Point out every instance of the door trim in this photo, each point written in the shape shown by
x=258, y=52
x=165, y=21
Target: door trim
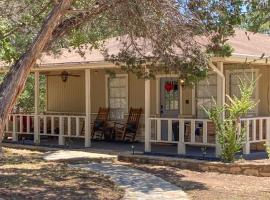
x=158, y=92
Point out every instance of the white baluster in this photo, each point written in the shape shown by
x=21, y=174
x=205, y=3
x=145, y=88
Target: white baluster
x=77, y=126
x=260, y=129
x=69, y=126
x=268, y=131
x=246, y=149
x=254, y=130
x=170, y=130
x=44, y=124
x=28, y=123
x=205, y=132
x=61, y=139
x=14, y=129
x=181, y=147
x=52, y=125
x=21, y=124
x=192, y=130
x=158, y=129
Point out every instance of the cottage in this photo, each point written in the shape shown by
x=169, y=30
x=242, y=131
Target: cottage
x=76, y=87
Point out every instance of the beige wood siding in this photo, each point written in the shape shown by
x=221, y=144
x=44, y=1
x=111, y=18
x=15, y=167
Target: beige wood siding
x=263, y=86
x=136, y=91
x=98, y=92
x=186, y=101
x=66, y=96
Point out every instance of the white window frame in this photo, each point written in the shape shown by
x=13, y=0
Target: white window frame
x=195, y=95
x=107, y=89
x=231, y=71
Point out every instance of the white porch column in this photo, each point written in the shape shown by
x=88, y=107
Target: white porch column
x=36, y=117
x=268, y=132
x=87, y=108
x=220, y=96
x=147, y=102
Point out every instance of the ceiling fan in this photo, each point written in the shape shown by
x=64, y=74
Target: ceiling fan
x=64, y=75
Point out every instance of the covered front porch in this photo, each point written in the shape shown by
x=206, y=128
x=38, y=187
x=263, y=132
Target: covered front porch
x=172, y=121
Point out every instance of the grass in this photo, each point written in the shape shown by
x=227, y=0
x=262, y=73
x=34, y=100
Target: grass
x=25, y=175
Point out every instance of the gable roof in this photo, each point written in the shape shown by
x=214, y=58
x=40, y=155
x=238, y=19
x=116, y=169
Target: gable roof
x=244, y=46
x=253, y=45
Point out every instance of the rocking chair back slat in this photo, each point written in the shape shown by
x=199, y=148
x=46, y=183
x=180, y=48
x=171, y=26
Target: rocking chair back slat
x=103, y=114
x=131, y=126
x=134, y=116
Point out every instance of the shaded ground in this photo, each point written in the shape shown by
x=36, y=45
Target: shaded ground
x=205, y=185
x=24, y=175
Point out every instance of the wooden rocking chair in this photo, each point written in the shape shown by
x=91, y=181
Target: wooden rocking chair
x=128, y=130
x=100, y=124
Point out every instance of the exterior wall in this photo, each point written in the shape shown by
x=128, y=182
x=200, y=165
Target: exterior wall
x=263, y=85
x=66, y=96
x=186, y=101
x=70, y=96
x=98, y=93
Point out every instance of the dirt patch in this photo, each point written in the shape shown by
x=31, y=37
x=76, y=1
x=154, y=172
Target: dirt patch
x=25, y=175
x=210, y=185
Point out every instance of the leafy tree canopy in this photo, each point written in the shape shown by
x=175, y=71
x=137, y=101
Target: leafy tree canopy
x=169, y=27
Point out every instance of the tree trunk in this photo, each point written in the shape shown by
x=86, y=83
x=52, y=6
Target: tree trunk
x=15, y=79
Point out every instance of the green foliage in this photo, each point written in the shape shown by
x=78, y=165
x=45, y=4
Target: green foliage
x=229, y=132
x=161, y=33
x=268, y=150
x=26, y=100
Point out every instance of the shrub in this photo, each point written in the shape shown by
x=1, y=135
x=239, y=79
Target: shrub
x=230, y=136
x=268, y=150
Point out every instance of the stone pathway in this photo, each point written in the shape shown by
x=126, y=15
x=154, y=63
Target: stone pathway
x=138, y=185
x=78, y=155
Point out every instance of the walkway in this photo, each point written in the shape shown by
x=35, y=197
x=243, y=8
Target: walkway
x=138, y=185
x=78, y=155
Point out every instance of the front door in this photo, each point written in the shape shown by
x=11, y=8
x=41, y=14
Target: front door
x=169, y=102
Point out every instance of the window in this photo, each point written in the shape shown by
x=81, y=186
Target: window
x=117, y=97
x=234, y=78
x=171, y=97
x=206, y=90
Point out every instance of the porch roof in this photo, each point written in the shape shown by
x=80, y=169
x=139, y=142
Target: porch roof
x=252, y=46
x=246, y=45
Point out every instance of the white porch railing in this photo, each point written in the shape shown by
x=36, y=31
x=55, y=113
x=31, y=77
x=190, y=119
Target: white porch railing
x=202, y=131
x=188, y=131
x=163, y=130
x=60, y=126
x=257, y=130
x=19, y=124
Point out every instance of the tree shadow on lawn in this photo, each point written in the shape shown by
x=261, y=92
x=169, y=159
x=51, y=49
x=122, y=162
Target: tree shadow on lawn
x=171, y=175
x=55, y=182
x=30, y=177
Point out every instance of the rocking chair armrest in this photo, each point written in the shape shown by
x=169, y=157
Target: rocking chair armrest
x=119, y=123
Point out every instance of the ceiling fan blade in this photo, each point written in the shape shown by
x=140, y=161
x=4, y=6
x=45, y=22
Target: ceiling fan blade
x=53, y=75
x=76, y=75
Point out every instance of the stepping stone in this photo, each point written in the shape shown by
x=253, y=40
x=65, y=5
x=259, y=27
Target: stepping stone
x=138, y=184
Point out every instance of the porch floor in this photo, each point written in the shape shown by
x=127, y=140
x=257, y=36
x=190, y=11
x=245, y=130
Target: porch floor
x=120, y=147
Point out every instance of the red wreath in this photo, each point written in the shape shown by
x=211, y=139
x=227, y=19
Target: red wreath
x=169, y=86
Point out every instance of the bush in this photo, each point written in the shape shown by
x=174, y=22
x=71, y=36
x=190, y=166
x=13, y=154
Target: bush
x=229, y=136
x=268, y=150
